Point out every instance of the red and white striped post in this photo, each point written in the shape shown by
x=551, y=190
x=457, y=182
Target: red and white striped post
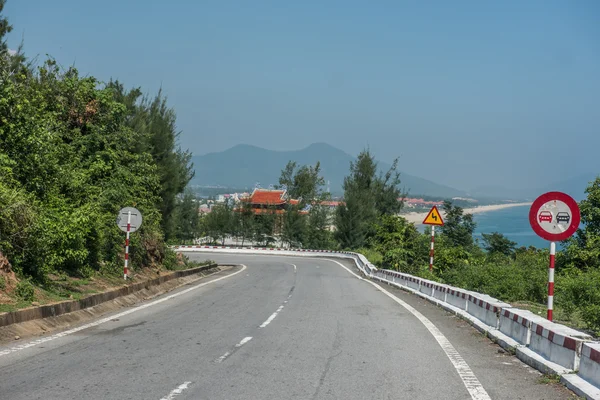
x=127, y=245
x=551, y=280
x=431, y=249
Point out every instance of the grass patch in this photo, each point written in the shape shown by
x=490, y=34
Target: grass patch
x=14, y=307
x=549, y=379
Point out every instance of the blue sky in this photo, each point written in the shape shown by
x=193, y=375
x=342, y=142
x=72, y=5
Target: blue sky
x=467, y=93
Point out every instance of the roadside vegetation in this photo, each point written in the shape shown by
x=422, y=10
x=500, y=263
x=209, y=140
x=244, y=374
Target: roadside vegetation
x=73, y=151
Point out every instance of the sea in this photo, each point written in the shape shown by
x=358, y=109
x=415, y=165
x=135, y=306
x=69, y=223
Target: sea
x=512, y=222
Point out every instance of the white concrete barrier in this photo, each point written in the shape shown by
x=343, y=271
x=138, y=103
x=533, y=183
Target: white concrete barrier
x=413, y=282
x=427, y=287
x=485, y=308
x=557, y=343
x=457, y=297
x=516, y=324
x=440, y=292
x=589, y=367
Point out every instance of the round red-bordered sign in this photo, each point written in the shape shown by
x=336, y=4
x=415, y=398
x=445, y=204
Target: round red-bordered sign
x=554, y=216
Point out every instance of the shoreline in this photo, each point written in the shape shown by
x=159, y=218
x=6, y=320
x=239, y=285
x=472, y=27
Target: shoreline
x=418, y=217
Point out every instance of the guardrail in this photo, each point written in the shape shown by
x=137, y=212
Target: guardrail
x=544, y=345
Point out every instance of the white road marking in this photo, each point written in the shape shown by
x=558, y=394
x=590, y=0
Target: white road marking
x=244, y=341
x=223, y=357
x=112, y=317
x=237, y=346
x=474, y=387
x=271, y=318
x=177, y=391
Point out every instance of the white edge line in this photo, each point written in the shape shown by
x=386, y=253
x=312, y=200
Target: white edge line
x=474, y=387
x=115, y=316
x=177, y=391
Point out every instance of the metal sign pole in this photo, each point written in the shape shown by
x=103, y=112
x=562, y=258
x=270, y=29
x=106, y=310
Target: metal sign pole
x=551, y=280
x=127, y=245
x=431, y=249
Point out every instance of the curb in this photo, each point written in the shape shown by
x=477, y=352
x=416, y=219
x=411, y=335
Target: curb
x=580, y=386
x=64, y=307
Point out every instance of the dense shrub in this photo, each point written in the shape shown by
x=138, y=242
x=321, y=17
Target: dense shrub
x=579, y=292
x=24, y=290
x=73, y=151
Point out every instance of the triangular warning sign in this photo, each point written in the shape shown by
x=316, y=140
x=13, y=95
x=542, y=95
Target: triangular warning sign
x=433, y=218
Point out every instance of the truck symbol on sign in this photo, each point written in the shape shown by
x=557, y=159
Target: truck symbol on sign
x=545, y=216
x=563, y=217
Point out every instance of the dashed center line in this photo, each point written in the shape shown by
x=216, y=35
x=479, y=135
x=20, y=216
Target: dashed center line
x=244, y=341
x=237, y=346
x=271, y=318
x=177, y=391
x=223, y=357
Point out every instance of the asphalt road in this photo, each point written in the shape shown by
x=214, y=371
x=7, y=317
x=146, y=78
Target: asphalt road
x=280, y=328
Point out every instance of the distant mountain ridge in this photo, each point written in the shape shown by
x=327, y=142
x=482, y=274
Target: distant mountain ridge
x=242, y=166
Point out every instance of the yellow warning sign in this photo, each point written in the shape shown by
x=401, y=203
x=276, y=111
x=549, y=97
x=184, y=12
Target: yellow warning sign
x=433, y=218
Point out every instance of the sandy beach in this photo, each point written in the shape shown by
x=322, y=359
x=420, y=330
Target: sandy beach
x=418, y=217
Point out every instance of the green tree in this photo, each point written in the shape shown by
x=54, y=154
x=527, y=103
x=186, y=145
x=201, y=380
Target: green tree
x=187, y=218
x=398, y=241
x=582, y=251
x=366, y=197
x=156, y=122
x=264, y=226
x=318, y=235
x=458, y=227
x=246, y=223
x=304, y=183
x=293, y=227
x=217, y=222
x=388, y=196
x=72, y=153
x=357, y=214
x=498, y=243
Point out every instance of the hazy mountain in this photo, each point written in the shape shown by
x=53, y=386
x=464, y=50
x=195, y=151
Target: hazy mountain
x=243, y=165
x=574, y=187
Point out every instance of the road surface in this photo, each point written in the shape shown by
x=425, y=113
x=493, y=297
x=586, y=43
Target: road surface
x=278, y=328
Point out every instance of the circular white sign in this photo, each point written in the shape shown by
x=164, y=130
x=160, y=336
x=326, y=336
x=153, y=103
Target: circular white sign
x=133, y=215
x=554, y=216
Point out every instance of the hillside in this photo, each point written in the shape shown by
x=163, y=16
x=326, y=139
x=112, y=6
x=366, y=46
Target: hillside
x=242, y=166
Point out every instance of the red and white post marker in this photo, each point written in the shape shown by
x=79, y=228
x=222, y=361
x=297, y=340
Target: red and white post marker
x=434, y=218
x=431, y=249
x=127, y=245
x=551, y=280
x=134, y=221
x=554, y=216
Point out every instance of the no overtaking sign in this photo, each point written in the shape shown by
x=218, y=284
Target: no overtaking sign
x=554, y=216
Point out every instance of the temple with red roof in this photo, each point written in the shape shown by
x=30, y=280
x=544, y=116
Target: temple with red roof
x=273, y=201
